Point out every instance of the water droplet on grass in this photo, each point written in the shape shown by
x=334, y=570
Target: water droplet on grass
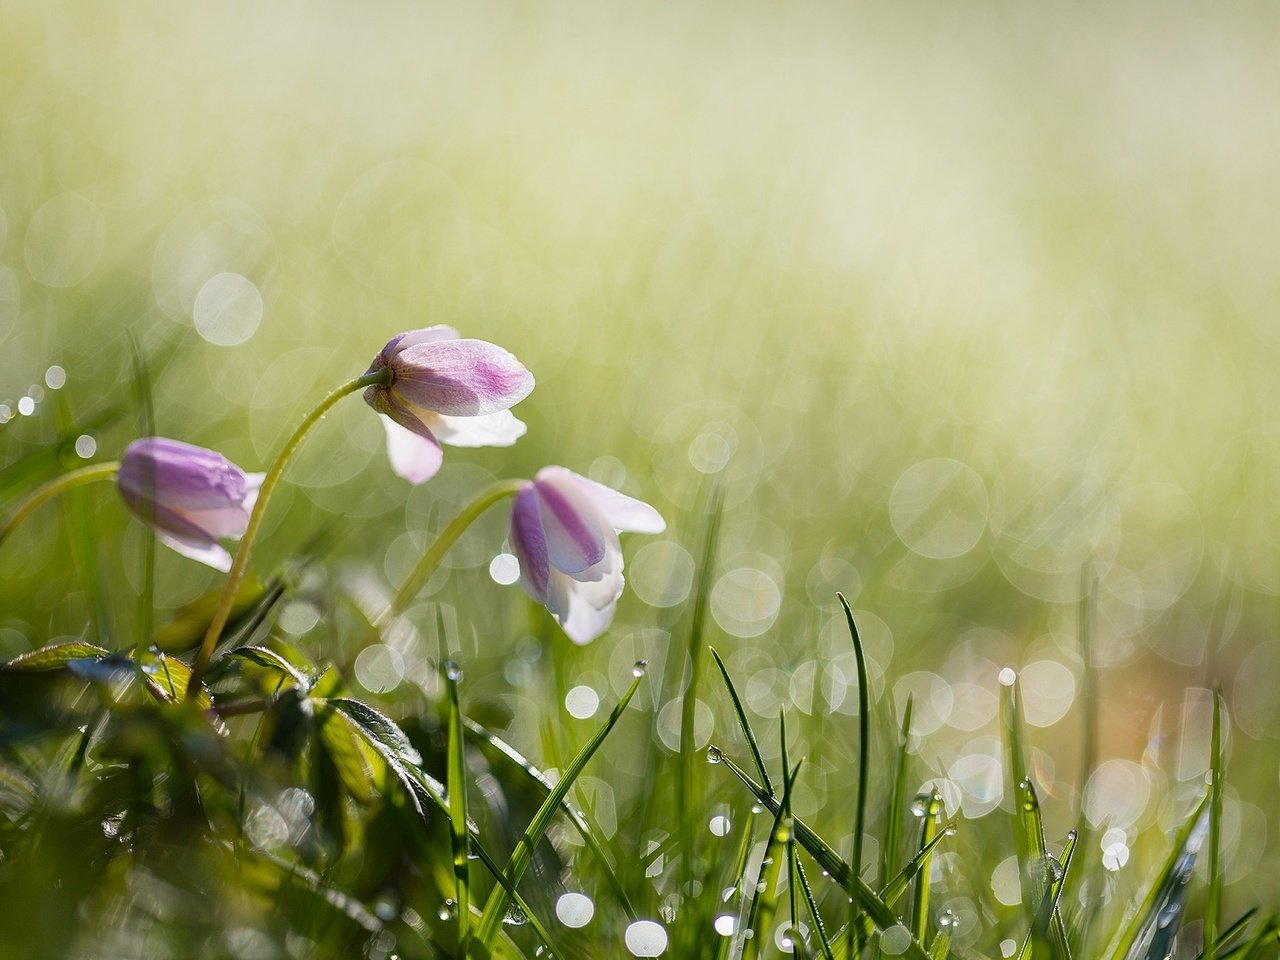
x=640, y=669
x=714, y=755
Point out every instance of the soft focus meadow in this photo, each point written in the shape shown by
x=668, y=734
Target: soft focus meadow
x=967, y=312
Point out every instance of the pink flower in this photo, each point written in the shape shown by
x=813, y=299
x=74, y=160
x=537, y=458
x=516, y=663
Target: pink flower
x=445, y=390
x=564, y=531
x=189, y=495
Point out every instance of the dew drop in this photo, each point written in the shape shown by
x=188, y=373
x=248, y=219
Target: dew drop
x=640, y=669
x=452, y=670
x=714, y=754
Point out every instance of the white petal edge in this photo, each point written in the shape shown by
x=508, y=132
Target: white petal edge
x=413, y=457
x=501, y=429
x=625, y=514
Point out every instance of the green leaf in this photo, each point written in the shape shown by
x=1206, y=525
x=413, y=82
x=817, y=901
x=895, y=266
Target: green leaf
x=268, y=658
x=898, y=885
x=339, y=734
x=167, y=677
x=55, y=656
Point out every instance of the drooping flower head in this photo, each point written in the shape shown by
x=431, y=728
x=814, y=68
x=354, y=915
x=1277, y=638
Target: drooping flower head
x=444, y=389
x=564, y=531
x=189, y=495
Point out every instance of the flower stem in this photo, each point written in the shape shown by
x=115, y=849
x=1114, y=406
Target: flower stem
x=225, y=602
x=421, y=573
x=76, y=478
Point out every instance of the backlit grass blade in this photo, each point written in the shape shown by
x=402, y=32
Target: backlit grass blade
x=1268, y=933
x=1233, y=932
x=1138, y=930
x=744, y=723
x=740, y=875
x=146, y=428
x=1217, y=771
x=1035, y=867
x=456, y=785
x=897, y=811
x=876, y=913
x=898, y=885
x=499, y=747
x=763, y=898
x=864, y=737
x=919, y=919
x=819, y=928
x=496, y=906
x=940, y=949
x=686, y=768
x=1039, y=938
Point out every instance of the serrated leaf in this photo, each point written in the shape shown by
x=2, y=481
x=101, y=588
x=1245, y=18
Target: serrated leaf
x=55, y=656
x=270, y=660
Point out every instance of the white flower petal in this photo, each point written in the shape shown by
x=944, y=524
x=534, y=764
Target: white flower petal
x=500, y=429
x=622, y=512
x=211, y=554
x=413, y=456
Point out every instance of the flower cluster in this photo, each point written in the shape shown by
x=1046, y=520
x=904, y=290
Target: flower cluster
x=431, y=387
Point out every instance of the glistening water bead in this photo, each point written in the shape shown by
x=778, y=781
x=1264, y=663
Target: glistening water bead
x=640, y=669
x=714, y=754
x=452, y=670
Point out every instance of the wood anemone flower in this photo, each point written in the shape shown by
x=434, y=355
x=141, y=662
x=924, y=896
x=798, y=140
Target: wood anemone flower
x=445, y=389
x=564, y=531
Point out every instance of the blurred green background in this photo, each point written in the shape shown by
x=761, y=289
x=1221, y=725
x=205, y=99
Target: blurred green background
x=966, y=306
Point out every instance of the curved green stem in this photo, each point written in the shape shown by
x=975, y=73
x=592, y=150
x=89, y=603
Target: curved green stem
x=238, y=566
x=440, y=546
x=76, y=478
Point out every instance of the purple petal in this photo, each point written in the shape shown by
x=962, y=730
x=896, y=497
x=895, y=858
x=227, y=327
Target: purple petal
x=413, y=456
x=180, y=476
x=459, y=378
x=407, y=339
x=179, y=531
x=622, y=512
x=225, y=522
x=500, y=429
x=575, y=530
x=529, y=542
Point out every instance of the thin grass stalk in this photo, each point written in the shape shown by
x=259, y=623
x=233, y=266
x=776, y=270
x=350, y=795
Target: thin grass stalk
x=685, y=770
x=495, y=907
x=456, y=784
x=864, y=747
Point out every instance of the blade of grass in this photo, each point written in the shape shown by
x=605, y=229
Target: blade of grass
x=740, y=875
x=744, y=723
x=1213, y=900
x=585, y=830
x=895, y=814
x=1038, y=938
x=1268, y=930
x=898, y=885
x=1168, y=881
x=819, y=927
x=919, y=919
x=495, y=907
x=764, y=897
x=685, y=769
x=875, y=913
x=78, y=520
x=1231, y=933
x=146, y=428
x=864, y=744
x=456, y=785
